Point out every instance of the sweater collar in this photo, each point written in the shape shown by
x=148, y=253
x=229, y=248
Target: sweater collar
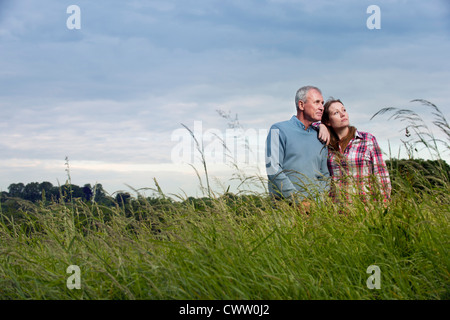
x=300, y=124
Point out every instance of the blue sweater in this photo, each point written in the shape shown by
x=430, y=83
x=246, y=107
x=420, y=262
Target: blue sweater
x=299, y=168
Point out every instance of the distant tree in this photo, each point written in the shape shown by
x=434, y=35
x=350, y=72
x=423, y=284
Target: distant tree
x=123, y=198
x=46, y=189
x=3, y=196
x=100, y=196
x=420, y=174
x=77, y=191
x=99, y=193
x=16, y=190
x=87, y=191
x=32, y=192
x=200, y=204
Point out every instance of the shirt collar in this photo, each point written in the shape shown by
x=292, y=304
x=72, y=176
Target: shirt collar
x=300, y=124
x=358, y=135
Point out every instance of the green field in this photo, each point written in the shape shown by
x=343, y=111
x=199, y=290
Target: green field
x=230, y=247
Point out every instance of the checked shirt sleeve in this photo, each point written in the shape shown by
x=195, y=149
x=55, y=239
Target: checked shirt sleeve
x=316, y=125
x=380, y=169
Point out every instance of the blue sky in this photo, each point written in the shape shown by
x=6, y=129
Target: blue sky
x=112, y=95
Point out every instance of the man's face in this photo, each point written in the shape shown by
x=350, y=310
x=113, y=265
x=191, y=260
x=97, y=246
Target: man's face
x=313, y=106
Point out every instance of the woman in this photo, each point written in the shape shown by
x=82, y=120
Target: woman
x=355, y=161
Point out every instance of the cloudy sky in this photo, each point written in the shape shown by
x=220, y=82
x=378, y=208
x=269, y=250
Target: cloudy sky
x=113, y=96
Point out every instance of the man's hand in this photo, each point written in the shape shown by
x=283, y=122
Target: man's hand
x=324, y=134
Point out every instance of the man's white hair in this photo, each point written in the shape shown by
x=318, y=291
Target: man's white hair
x=302, y=92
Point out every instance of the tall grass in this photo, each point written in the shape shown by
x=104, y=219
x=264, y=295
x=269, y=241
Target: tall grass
x=231, y=247
x=417, y=130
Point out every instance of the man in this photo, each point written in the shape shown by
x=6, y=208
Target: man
x=296, y=160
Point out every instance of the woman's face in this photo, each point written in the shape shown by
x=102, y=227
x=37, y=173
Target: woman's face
x=338, y=116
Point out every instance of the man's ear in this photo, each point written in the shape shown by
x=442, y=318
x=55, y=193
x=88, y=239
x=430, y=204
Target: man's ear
x=300, y=105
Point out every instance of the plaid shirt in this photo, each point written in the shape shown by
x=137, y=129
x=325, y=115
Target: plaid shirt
x=360, y=171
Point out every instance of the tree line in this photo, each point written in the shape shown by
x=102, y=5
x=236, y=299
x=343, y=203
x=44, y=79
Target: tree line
x=46, y=191
x=419, y=173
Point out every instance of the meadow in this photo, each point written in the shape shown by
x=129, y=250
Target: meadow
x=233, y=246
